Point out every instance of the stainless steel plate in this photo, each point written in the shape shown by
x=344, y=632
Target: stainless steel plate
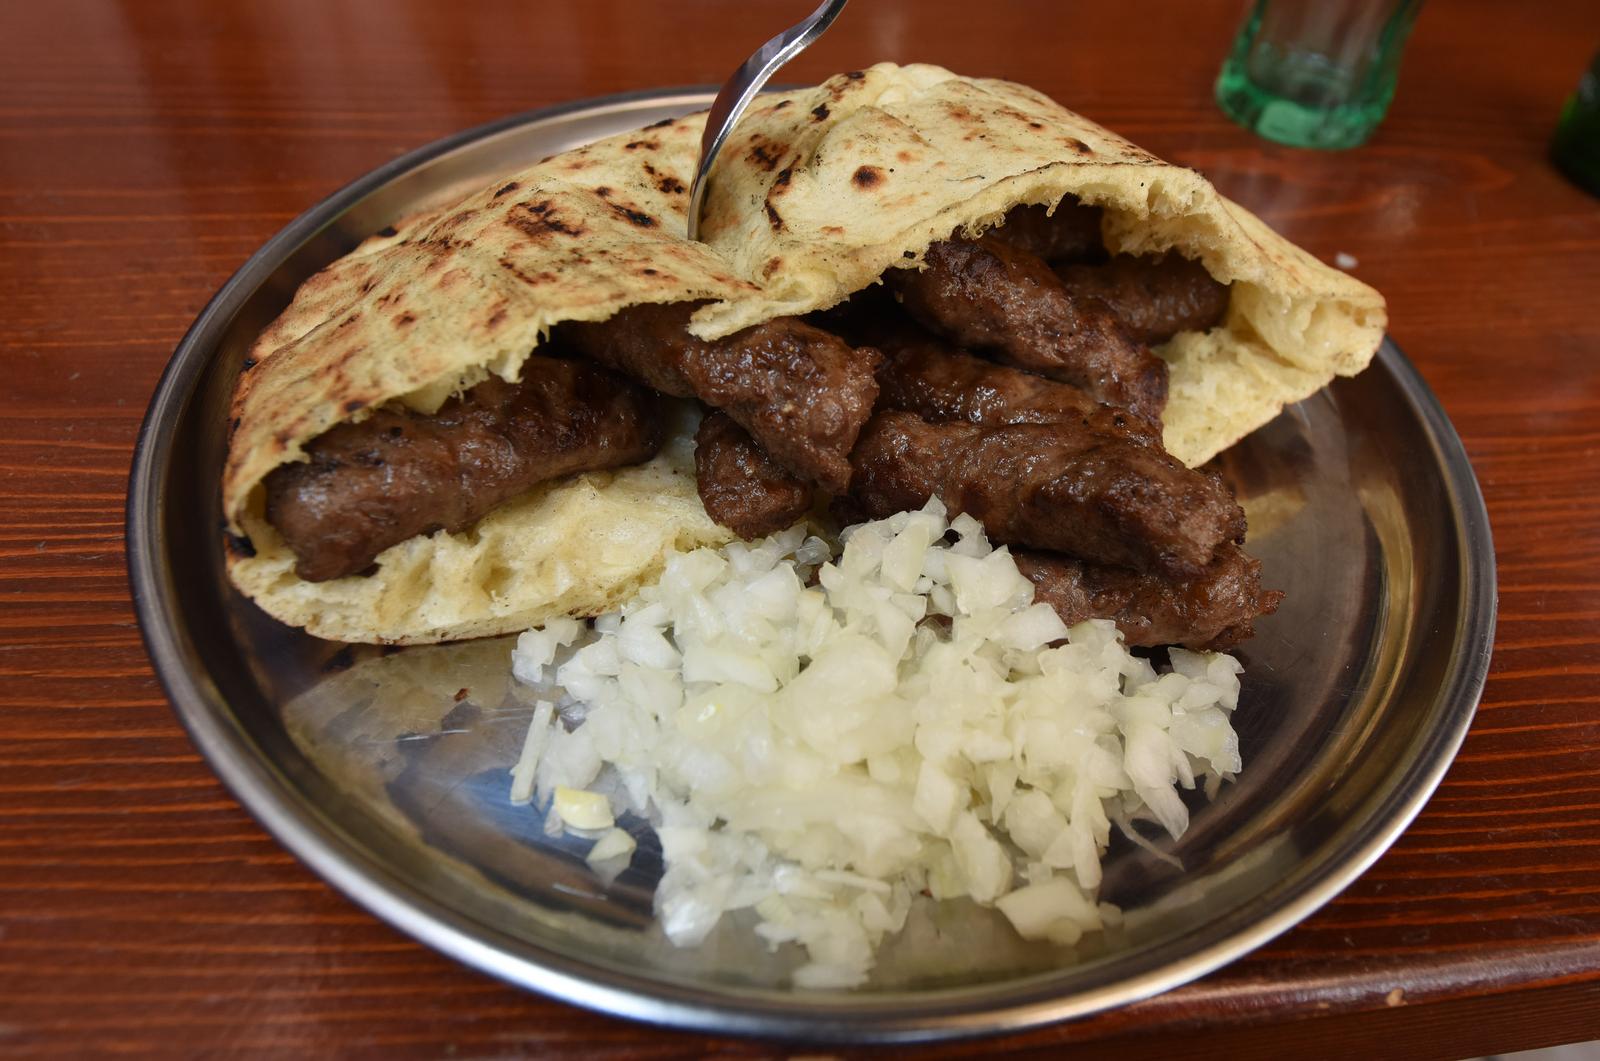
x=384, y=771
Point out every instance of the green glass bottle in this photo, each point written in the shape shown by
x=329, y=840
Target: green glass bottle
x=1315, y=74
x=1576, y=147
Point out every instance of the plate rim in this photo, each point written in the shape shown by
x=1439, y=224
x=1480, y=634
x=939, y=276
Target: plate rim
x=363, y=879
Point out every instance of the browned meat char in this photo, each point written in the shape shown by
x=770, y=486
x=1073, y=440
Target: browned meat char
x=990, y=297
x=923, y=375
x=1155, y=298
x=1071, y=234
x=741, y=487
x=1216, y=610
x=397, y=474
x=800, y=391
x=1055, y=486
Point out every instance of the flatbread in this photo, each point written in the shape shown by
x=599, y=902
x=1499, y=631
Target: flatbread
x=819, y=192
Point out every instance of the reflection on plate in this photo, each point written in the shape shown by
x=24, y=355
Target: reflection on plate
x=385, y=770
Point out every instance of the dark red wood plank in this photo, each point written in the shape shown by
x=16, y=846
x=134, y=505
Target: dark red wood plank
x=146, y=148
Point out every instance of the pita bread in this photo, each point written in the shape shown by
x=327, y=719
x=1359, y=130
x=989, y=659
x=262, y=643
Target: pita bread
x=819, y=192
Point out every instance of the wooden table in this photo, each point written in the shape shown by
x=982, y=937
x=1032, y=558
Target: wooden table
x=148, y=147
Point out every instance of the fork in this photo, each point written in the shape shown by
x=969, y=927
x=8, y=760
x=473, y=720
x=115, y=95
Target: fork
x=741, y=88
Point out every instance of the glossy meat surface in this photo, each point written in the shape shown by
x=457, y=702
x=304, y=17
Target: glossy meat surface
x=988, y=296
x=1071, y=234
x=801, y=392
x=1058, y=486
x=741, y=487
x=1215, y=610
x=373, y=484
x=1155, y=298
x=926, y=376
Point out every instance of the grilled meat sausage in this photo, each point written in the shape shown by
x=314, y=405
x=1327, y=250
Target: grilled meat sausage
x=741, y=487
x=1155, y=298
x=923, y=375
x=990, y=297
x=1215, y=610
x=1058, y=486
x=803, y=393
x=1071, y=234
x=397, y=474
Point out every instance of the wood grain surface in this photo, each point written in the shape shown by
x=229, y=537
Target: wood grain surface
x=147, y=147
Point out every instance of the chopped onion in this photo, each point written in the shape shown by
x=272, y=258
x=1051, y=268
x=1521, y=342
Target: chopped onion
x=582, y=809
x=613, y=844
x=807, y=745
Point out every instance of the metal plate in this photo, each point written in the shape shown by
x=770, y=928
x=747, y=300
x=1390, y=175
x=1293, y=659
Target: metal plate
x=364, y=763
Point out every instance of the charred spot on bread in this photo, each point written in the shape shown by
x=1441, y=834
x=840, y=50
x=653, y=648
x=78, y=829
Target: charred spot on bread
x=761, y=156
x=634, y=217
x=866, y=177
x=539, y=221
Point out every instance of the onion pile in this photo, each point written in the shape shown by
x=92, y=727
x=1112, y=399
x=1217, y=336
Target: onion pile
x=822, y=739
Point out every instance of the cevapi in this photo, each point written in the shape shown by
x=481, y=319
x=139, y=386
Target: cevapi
x=823, y=192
